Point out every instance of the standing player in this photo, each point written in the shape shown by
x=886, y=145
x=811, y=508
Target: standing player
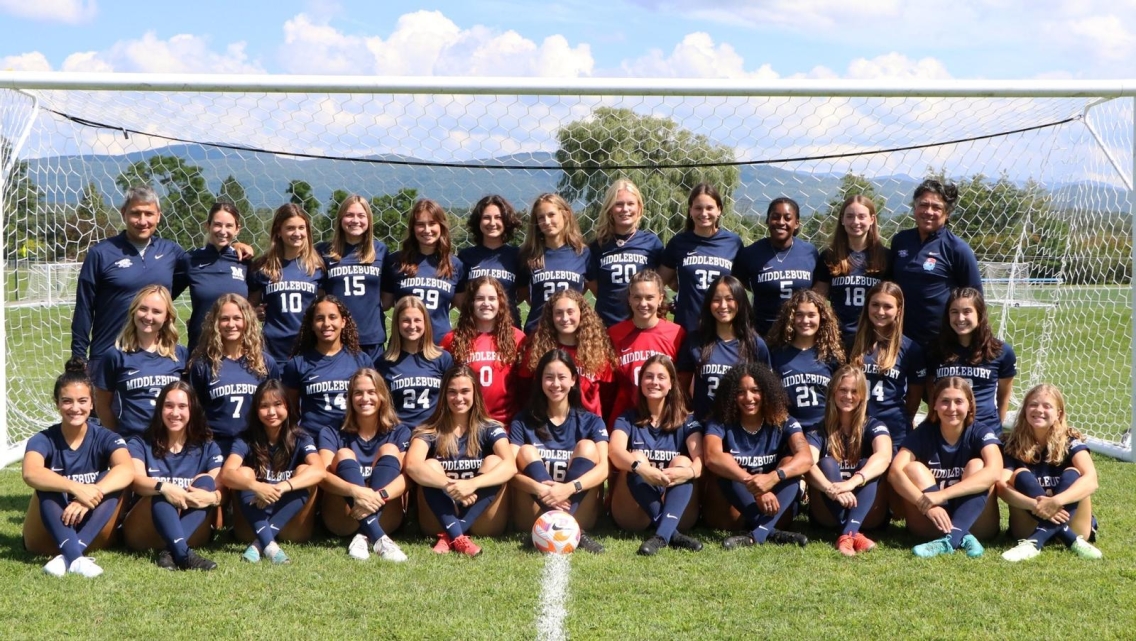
x=969, y=349
x=354, y=260
x=215, y=269
x=756, y=452
x=929, y=261
x=228, y=364
x=725, y=338
x=286, y=279
x=561, y=451
x=487, y=340
x=326, y=356
x=642, y=336
x=805, y=349
x=413, y=365
x=175, y=476
x=553, y=256
x=699, y=255
x=492, y=223
x=274, y=468
x=145, y=358
x=945, y=473
x=892, y=362
x=77, y=470
x=1048, y=480
x=620, y=249
x=568, y=323
x=461, y=460
x=364, y=465
x=657, y=448
x=775, y=267
x=853, y=452
x=854, y=262
x=426, y=266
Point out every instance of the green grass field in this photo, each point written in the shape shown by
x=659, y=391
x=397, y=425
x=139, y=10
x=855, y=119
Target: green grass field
x=766, y=592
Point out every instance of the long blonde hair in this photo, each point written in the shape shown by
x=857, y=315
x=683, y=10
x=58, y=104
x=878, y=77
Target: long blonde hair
x=836, y=440
x=427, y=347
x=211, y=349
x=127, y=340
x=1022, y=445
x=887, y=352
x=366, y=248
x=387, y=417
x=440, y=425
x=532, y=250
x=272, y=263
x=605, y=228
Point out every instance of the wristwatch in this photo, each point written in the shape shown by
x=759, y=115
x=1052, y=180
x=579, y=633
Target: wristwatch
x=158, y=487
x=780, y=474
x=635, y=466
x=578, y=486
x=384, y=495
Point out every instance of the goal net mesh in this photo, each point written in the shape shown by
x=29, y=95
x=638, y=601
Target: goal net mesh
x=1042, y=181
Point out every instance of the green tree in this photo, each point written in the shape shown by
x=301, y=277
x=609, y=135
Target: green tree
x=233, y=191
x=337, y=198
x=300, y=193
x=23, y=206
x=390, y=211
x=91, y=221
x=603, y=147
x=186, y=197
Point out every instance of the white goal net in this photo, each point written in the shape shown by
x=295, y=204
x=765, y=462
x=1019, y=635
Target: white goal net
x=1045, y=180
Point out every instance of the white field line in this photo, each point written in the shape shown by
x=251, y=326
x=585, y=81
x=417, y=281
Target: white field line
x=553, y=598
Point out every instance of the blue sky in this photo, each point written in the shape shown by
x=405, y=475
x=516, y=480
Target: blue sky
x=933, y=39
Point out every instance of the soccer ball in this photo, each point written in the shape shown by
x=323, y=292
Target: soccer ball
x=556, y=532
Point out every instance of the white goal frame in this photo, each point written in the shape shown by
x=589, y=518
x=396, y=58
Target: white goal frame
x=31, y=82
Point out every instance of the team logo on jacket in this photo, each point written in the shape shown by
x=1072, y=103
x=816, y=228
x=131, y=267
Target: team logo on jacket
x=124, y=263
x=903, y=253
x=238, y=272
x=929, y=265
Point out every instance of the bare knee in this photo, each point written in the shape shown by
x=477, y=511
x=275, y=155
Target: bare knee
x=681, y=461
x=587, y=449
x=389, y=449
x=489, y=462
x=527, y=455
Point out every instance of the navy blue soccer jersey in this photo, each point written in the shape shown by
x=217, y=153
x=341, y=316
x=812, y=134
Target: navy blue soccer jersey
x=947, y=461
x=805, y=380
x=774, y=275
x=1048, y=475
x=724, y=355
x=848, y=293
x=887, y=390
x=285, y=302
x=563, y=269
x=461, y=465
x=366, y=451
x=358, y=287
x=872, y=429
x=436, y=292
x=502, y=263
x=415, y=384
x=136, y=379
x=322, y=383
x=759, y=452
x=983, y=379
x=697, y=262
x=83, y=464
x=112, y=274
x=658, y=446
x=179, y=468
x=227, y=397
x=304, y=447
x=211, y=274
x=614, y=264
x=927, y=272
x=556, y=450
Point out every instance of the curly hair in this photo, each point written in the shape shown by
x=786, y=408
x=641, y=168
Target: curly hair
x=947, y=191
x=466, y=330
x=366, y=248
x=846, y=448
x=952, y=382
x=674, y=412
x=829, y=346
x=426, y=345
x=127, y=340
x=744, y=331
x=197, y=432
x=594, y=350
x=211, y=348
x=265, y=458
x=307, y=340
x=984, y=346
x=440, y=426
x=1023, y=446
x=532, y=250
x=271, y=264
x=867, y=338
x=509, y=218
x=387, y=418
x=774, y=404
x=411, y=253
x=605, y=227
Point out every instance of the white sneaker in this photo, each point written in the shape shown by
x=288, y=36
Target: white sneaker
x=56, y=566
x=388, y=550
x=1082, y=548
x=85, y=566
x=357, y=548
x=1025, y=550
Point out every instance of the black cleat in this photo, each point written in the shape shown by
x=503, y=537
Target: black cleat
x=166, y=560
x=781, y=537
x=652, y=546
x=684, y=542
x=194, y=562
x=588, y=544
x=739, y=541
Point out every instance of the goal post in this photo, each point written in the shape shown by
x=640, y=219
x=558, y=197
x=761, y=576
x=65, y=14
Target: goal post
x=1045, y=170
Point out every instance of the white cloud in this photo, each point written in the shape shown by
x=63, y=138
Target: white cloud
x=69, y=11
x=896, y=66
x=1103, y=37
x=31, y=61
x=182, y=53
x=696, y=57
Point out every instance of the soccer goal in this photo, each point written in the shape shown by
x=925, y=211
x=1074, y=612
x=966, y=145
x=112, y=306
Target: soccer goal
x=1045, y=171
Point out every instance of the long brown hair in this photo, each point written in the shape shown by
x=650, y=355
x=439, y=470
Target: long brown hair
x=257, y=437
x=1023, y=446
x=466, y=331
x=271, y=264
x=829, y=346
x=887, y=352
x=387, y=417
x=953, y=382
x=211, y=349
x=440, y=425
x=532, y=250
x=348, y=337
x=846, y=447
x=197, y=432
x=411, y=253
x=366, y=248
x=594, y=350
x=674, y=406
x=836, y=256
x=984, y=346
